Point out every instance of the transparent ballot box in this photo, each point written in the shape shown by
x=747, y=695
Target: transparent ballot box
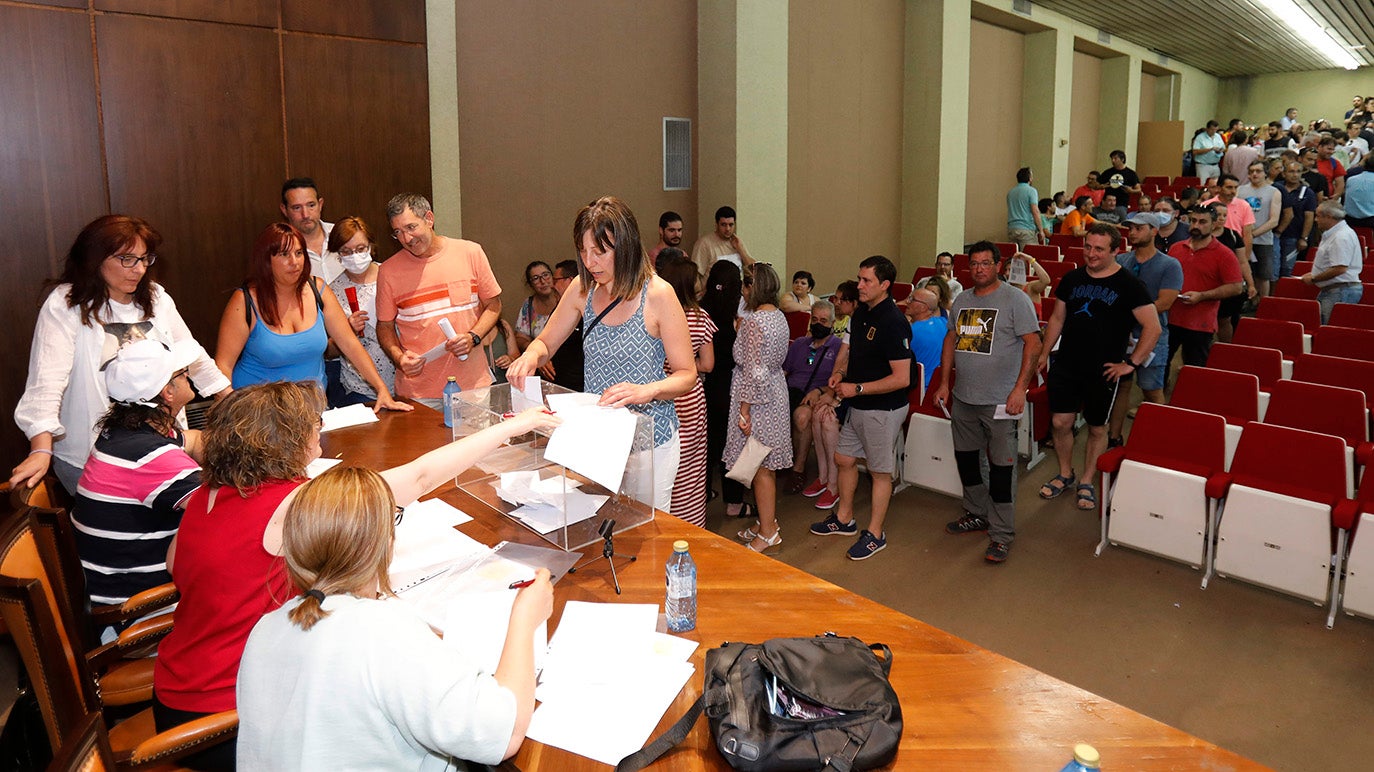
x=563, y=504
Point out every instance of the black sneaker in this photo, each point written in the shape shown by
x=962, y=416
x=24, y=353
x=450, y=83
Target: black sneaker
x=867, y=546
x=997, y=552
x=967, y=524
x=831, y=526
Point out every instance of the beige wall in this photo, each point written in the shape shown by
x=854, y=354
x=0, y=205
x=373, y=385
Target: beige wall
x=994, y=125
x=1083, y=125
x=560, y=103
x=1147, y=97
x=844, y=136
x=1316, y=94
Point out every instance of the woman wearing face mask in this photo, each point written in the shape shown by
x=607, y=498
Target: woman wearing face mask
x=352, y=242
x=808, y=365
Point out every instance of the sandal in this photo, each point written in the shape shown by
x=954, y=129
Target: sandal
x=769, y=542
x=749, y=534
x=1055, y=487
x=1087, y=497
x=746, y=510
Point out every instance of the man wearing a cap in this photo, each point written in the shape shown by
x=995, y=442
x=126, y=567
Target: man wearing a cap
x=133, y=487
x=1163, y=279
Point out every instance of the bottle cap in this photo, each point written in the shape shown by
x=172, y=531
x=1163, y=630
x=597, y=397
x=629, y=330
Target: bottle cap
x=1086, y=755
x=453, y=379
x=680, y=545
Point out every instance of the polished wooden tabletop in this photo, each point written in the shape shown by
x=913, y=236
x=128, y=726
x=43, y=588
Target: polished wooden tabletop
x=964, y=707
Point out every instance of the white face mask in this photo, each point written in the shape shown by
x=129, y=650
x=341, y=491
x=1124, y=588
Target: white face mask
x=356, y=262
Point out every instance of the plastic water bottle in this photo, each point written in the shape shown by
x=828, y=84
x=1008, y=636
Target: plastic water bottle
x=450, y=389
x=681, y=604
x=1085, y=759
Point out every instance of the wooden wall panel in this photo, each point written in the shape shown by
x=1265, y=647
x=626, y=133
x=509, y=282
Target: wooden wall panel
x=377, y=19
x=258, y=13
x=338, y=133
x=55, y=3
x=194, y=140
x=50, y=175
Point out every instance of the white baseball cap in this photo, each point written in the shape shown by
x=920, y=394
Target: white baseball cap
x=141, y=369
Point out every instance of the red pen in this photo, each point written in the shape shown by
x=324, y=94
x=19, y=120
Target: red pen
x=521, y=584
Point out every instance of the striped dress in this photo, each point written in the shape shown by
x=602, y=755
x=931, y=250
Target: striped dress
x=689, y=488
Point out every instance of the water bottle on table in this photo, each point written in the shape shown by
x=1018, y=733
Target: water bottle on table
x=451, y=388
x=1085, y=759
x=681, y=604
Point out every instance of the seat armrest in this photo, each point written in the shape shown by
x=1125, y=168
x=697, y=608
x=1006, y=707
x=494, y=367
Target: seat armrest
x=142, y=604
x=1364, y=453
x=1110, y=460
x=1218, y=484
x=1345, y=514
x=188, y=738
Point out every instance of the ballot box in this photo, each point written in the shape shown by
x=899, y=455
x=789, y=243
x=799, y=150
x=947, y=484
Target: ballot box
x=590, y=477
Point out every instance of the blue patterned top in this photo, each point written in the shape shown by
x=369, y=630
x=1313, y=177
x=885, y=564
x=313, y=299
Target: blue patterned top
x=627, y=353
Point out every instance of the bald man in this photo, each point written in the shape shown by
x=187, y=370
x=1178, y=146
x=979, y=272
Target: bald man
x=928, y=329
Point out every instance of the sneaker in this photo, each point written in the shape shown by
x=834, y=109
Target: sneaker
x=866, y=547
x=967, y=524
x=997, y=552
x=831, y=526
x=795, y=482
x=814, y=489
x=827, y=500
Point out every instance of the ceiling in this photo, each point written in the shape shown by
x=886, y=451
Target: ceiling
x=1238, y=37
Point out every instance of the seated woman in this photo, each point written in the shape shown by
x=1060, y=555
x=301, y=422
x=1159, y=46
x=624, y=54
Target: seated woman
x=352, y=241
x=808, y=365
x=799, y=298
x=105, y=297
x=274, y=326
x=846, y=299
x=135, y=484
x=339, y=677
x=225, y=557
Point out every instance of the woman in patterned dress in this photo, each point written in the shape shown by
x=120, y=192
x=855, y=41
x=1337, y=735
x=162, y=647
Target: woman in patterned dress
x=758, y=397
x=689, y=489
x=352, y=241
x=632, y=327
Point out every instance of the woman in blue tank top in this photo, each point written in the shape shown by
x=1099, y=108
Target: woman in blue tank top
x=632, y=325
x=277, y=325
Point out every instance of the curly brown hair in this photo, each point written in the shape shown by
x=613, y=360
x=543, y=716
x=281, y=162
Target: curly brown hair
x=261, y=433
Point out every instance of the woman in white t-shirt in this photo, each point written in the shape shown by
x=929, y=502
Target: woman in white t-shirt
x=345, y=676
x=105, y=298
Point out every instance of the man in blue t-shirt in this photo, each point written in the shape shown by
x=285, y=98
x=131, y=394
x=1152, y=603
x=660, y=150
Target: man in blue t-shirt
x=1024, y=225
x=1163, y=279
x=927, y=331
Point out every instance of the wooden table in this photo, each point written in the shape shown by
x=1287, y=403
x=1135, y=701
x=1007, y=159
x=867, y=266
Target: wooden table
x=964, y=707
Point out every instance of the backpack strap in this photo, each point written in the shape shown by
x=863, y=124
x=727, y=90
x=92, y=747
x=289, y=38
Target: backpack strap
x=664, y=742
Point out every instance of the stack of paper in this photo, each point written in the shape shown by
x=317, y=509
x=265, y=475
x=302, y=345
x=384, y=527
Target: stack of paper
x=542, y=503
x=607, y=680
x=321, y=465
x=339, y=417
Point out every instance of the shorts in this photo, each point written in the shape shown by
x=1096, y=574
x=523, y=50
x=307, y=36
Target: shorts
x=1263, y=266
x=1231, y=307
x=1090, y=393
x=1021, y=237
x=1152, y=378
x=872, y=435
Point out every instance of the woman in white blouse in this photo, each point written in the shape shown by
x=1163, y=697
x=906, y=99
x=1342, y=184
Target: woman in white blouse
x=352, y=241
x=105, y=298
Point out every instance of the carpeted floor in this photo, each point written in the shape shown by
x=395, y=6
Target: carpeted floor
x=1248, y=669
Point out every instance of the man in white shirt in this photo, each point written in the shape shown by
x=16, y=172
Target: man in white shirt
x=944, y=266
x=1207, y=149
x=302, y=206
x=1336, y=270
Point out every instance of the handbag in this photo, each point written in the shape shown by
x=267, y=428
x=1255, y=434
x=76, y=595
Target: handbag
x=821, y=703
x=749, y=461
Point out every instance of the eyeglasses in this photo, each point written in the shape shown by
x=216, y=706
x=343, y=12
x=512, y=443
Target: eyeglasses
x=129, y=261
x=363, y=250
x=409, y=230
x=539, y=278
x=980, y=264
x=400, y=514
x=186, y=371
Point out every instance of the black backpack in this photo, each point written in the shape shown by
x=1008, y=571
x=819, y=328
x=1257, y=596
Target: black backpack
x=821, y=703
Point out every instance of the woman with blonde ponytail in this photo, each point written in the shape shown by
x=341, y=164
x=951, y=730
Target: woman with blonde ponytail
x=342, y=677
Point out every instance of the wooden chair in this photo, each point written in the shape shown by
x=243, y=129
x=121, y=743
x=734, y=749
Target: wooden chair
x=61, y=678
x=87, y=748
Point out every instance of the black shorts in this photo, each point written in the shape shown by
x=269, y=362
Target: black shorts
x=794, y=398
x=1231, y=307
x=1087, y=392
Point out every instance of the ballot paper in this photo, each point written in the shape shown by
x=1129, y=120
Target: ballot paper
x=601, y=706
x=566, y=402
x=436, y=511
x=527, y=487
x=545, y=518
x=531, y=395
x=321, y=465
x=1000, y=413
x=427, y=547
x=340, y=417
x=476, y=625
x=594, y=441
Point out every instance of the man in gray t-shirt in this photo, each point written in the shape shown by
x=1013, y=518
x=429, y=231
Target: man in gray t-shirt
x=1266, y=202
x=992, y=344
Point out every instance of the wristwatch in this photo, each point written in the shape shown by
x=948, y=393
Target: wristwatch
x=1132, y=363
x=858, y=388
x=476, y=339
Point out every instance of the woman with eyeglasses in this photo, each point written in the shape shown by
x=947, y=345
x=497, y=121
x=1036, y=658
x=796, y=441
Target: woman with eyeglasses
x=106, y=297
x=352, y=241
x=278, y=325
x=539, y=306
x=341, y=678
x=225, y=558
